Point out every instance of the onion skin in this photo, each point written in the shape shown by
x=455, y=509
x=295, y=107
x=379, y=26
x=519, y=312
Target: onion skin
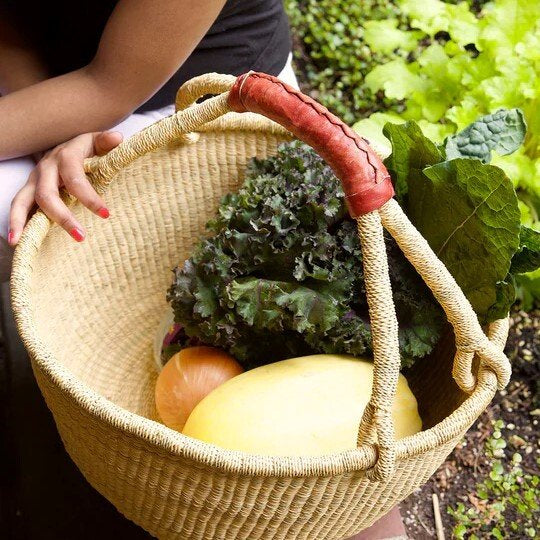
x=187, y=378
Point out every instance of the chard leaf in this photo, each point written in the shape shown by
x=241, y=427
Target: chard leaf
x=502, y=131
x=411, y=153
x=527, y=259
x=468, y=212
x=505, y=296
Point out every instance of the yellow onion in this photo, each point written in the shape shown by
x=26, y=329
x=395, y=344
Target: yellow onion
x=187, y=378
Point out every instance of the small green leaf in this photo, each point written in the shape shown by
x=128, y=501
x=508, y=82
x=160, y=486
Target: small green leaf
x=498, y=468
x=482, y=493
x=459, y=531
x=502, y=131
x=411, y=153
x=527, y=259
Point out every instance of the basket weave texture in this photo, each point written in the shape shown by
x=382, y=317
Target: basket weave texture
x=88, y=312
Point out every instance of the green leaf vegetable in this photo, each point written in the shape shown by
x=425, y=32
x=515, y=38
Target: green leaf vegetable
x=468, y=212
x=338, y=42
x=502, y=132
x=281, y=275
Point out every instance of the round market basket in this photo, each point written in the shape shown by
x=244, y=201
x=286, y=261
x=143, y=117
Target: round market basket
x=88, y=313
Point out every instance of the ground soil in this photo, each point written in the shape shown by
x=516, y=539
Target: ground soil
x=518, y=406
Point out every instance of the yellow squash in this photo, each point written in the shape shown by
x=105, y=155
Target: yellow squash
x=303, y=406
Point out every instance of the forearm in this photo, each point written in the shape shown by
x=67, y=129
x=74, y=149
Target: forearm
x=55, y=110
x=143, y=44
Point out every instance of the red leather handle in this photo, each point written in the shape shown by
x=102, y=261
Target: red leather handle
x=366, y=182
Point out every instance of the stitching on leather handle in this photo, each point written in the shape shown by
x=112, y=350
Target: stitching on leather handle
x=339, y=125
x=244, y=79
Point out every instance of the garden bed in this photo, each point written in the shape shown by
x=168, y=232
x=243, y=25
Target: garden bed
x=457, y=480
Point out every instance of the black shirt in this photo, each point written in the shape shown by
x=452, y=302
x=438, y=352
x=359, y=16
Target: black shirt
x=248, y=34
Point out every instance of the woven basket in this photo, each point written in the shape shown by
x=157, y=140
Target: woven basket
x=88, y=312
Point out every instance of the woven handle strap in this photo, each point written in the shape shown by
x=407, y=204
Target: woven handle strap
x=192, y=90
x=470, y=338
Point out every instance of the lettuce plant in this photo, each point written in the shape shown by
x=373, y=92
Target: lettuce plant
x=473, y=66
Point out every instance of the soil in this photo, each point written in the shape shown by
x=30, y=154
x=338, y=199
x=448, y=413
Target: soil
x=519, y=407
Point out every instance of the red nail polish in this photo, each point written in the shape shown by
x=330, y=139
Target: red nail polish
x=10, y=236
x=77, y=234
x=103, y=212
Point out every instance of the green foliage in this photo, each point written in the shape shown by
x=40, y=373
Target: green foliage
x=338, y=49
x=468, y=212
x=506, y=501
x=281, y=275
x=441, y=63
x=479, y=66
x=502, y=132
x=527, y=259
x=341, y=41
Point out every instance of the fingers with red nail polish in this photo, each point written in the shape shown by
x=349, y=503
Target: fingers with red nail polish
x=77, y=234
x=103, y=212
x=62, y=167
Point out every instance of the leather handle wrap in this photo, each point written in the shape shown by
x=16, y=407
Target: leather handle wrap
x=366, y=182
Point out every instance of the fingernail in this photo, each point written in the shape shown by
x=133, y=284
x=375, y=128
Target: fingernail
x=10, y=237
x=77, y=234
x=103, y=212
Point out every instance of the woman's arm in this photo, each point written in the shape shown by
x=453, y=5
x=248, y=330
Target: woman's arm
x=143, y=44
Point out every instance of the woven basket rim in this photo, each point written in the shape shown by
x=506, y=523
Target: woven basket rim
x=166, y=440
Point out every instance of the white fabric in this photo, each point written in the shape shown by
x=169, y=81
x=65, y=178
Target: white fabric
x=15, y=172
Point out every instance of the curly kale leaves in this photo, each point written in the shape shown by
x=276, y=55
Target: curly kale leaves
x=281, y=274
x=502, y=131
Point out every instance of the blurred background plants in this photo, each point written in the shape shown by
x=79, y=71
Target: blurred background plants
x=505, y=504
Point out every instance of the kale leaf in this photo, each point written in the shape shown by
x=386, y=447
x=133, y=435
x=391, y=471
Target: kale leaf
x=503, y=131
x=281, y=274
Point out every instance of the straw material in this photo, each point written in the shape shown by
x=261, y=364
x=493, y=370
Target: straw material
x=88, y=312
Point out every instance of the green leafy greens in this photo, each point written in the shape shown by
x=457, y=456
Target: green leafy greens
x=502, y=132
x=467, y=210
x=465, y=66
x=281, y=275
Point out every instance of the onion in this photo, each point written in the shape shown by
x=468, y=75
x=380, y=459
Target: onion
x=187, y=378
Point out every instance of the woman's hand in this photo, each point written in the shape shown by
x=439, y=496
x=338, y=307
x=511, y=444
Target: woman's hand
x=62, y=167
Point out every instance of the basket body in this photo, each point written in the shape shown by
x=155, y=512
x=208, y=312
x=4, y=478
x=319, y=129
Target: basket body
x=88, y=312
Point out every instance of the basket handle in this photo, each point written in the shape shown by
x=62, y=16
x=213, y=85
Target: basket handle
x=366, y=182
x=367, y=186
